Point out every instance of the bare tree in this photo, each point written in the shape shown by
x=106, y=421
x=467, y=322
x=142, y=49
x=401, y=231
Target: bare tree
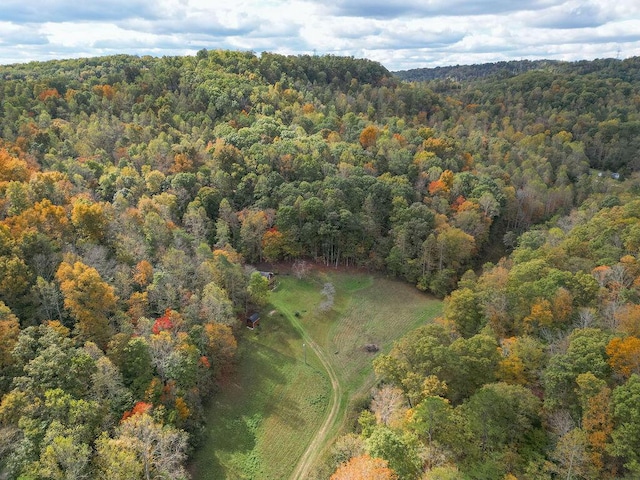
x=300, y=269
x=586, y=318
x=572, y=457
x=328, y=292
x=161, y=448
x=560, y=422
x=388, y=404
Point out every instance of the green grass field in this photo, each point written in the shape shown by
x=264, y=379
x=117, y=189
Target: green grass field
x=262, y=421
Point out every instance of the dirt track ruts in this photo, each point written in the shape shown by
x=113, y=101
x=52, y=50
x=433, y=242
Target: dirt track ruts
x=310, y=455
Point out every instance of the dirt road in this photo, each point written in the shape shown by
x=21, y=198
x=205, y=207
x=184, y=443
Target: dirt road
x=314, y=449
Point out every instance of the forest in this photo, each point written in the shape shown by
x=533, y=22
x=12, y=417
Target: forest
x=136, y=193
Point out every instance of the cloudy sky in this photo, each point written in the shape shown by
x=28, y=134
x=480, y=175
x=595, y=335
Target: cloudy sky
x=401, y=34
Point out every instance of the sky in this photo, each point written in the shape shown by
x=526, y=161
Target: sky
x=400, y=34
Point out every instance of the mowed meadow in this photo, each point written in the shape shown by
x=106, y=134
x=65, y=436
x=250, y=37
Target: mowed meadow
x=279, y=397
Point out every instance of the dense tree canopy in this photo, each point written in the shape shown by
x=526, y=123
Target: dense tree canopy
x=135, y=192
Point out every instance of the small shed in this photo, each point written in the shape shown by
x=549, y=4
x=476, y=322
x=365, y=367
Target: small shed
x=253, y=321
x=270, y=276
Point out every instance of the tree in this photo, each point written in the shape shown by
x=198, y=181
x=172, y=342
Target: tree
x=423, y=352
x=107, y=387
x=500, y=415
x=49, y=360
x=558, y=379
x=626, y=417
x=522, y=360
x=444, y=473
x=274, y=245
x=345, y=448
x=597, y=424
x=89, y=220
x=9, y=331
x=368, y=136
x=71, y=416
x=587, y=351
x=117, y=460
x=562, y=306
x=431, y=418
x=541, y=316
x=624, y=355
x=258, y=289
x=161, y=347
x=12, y=167
x=400, y=451
x=221, y=345
x=463, y=309
x=14, y=280
x=300, y=269
x=328, y=294
x=160, y=448
x=90, y=300
x=628, y=319
x=133, y=357
x=454, y=247
x=143, y=273
x=48, y=299
x=215, y=305
x=364, y=468
x=63, y=458
x=17, y=197
x=157, y=232
x=387, y=405
x=254, y=225
x=469, y=364
x=47, y=218
x=572, y=459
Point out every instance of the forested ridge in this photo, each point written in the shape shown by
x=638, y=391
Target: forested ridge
x=603, y=68
x=136, y=192
x=477, y=71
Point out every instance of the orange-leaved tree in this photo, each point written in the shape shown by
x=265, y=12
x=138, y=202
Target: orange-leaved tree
x=369, y=136
x=624, y=355
x=364, y=468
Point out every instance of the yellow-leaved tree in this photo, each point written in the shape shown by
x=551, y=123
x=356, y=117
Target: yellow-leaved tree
x=90, y=300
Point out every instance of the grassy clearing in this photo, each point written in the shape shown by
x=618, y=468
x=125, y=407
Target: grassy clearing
x=368, y=309
x=261, y=423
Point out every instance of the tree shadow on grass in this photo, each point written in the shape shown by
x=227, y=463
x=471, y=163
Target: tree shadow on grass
x=279, y=404
x=236, y=413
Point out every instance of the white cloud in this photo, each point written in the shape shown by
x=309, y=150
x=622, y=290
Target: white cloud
x=401, y=35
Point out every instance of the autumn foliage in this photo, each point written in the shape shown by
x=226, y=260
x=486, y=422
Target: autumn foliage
x=369, y=136
x=138, y=193
x=163, y=323
x=89, y=299
x=364, y=468
x=624, y=355
x=138, y=409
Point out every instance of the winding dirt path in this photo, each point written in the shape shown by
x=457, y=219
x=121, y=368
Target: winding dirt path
x=312, y=452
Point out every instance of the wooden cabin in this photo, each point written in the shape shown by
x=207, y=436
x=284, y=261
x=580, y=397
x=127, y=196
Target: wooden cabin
x=253, y=321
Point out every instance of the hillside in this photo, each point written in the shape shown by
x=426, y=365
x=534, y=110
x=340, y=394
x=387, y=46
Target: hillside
x=468, y=73
x=626, y=70
x=136, y=193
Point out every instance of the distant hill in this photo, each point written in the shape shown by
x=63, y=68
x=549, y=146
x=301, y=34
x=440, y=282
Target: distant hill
x=461, y=73
x=474, y=72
